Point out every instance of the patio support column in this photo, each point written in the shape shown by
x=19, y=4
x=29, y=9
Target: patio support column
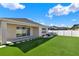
x=46, y=30
x=3, y=32
x=31, y=31
x=40, y=31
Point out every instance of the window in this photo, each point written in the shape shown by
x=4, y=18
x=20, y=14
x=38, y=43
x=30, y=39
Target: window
x=18, y=27
x=18, y=32
x=22, y=31
x=28, y=31
x=43, y=28
x=23, y=27
x=43, y=31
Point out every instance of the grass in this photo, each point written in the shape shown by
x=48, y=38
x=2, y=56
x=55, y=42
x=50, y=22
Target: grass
x=57, y=46
x=0, y=43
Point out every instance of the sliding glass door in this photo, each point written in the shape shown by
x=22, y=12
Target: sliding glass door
x=22, y=31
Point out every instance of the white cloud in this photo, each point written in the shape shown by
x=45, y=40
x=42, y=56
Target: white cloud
x=12, y=6
x=74, y=7
x=60, y=10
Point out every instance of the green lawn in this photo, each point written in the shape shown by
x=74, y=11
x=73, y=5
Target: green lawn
x=57, y=46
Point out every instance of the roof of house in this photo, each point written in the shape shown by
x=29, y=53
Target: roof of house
x=25, y=20
x=58, y=28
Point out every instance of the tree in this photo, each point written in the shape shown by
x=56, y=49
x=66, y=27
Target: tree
x=75, y=26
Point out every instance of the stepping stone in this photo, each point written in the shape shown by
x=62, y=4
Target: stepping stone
x=8, y=42
x=2, y=46
x=11, y=44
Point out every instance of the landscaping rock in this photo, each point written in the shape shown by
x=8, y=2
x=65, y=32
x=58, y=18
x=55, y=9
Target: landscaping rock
x=2, y=46
x=10, y=43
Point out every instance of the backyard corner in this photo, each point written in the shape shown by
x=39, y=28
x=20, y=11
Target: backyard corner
x=56, y=46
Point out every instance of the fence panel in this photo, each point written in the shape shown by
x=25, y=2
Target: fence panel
x=75, y=33
x=67, y=32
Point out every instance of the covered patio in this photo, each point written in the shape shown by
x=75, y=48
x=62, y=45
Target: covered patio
x=12, y=30
x=21, y=32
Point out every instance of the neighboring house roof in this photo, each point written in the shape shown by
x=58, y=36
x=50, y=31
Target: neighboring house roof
x=58, y=28
x=75, y=26
x=25, y=20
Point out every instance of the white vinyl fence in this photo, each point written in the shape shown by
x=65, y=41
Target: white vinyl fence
x=67, y=32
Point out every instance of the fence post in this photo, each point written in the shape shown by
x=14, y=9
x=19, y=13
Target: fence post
x=71, y=32
x=63, y=32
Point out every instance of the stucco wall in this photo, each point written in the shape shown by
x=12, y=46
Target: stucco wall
x=31, y=31
x=40, y=31
x=3, y=32
x=0, y=33
x=11, y=31
x=35, y=32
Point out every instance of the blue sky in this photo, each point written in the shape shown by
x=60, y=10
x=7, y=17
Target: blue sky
x=59, y=14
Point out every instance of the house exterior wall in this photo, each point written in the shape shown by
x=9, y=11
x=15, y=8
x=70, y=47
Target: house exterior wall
x=3, y=32
x=35, y=31
x=31, y=31
x=41, y=31
x=0, y=33
x=11, y=31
